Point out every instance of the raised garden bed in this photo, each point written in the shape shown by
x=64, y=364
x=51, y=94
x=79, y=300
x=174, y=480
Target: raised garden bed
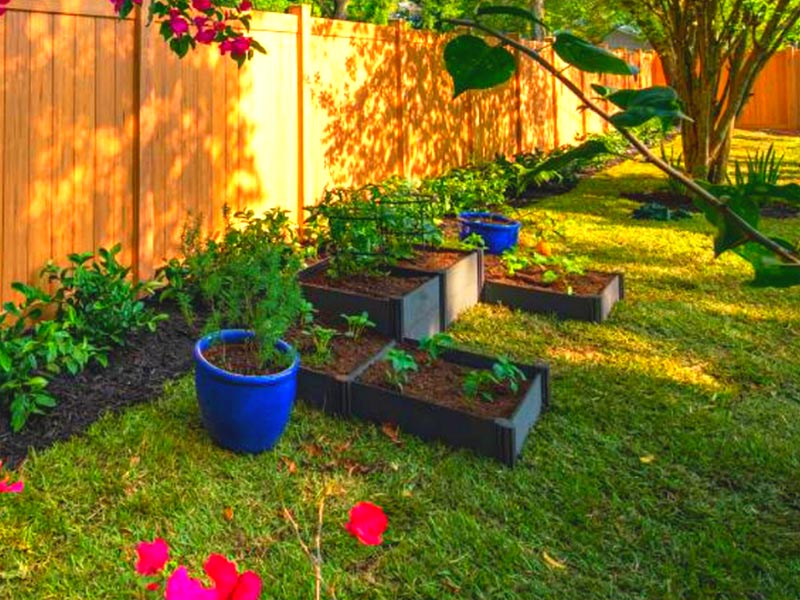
x=323, y=384
x=434, y=407
x=403, y=304
x=593, y=296
x=461, y=278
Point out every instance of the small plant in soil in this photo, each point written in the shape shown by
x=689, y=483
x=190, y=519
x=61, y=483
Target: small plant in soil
x=553, y=267
x=357, y=325
x=436, y=345
x=472, y=242
x=401, y=365
x=307, y=313
x=484, y=384
x=321, y=337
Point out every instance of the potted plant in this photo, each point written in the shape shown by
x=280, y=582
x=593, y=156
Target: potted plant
x=246, y=375
x=498, y=232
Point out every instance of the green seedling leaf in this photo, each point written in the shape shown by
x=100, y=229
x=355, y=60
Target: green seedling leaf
x=475, y=65
x=587, y=57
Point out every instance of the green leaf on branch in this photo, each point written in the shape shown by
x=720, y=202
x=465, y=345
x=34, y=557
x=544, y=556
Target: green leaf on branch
x=587, y=57
x=730, y=233
x=770, y=270
x=760, y=192
x=510, y=11
x=586, y=151
x=475, y=65
x=639, y=106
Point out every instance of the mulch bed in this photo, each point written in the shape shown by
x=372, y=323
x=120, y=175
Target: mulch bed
x=672, y=201
x=443, y=384
x=135, y=374
x=591, y=283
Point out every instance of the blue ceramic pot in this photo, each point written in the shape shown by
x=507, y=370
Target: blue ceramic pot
x=499, y=236
x=243, y=413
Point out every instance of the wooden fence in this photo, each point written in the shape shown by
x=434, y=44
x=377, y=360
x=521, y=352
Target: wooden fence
x=106, y=137
x=775, y=102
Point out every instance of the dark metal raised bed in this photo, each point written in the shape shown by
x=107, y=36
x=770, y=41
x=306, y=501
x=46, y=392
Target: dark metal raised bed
x=411, y=316
x=498, y=438
x=461, y=284
x=594, y=308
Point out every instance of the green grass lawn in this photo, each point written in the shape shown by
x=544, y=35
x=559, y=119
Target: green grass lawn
x=667, y=467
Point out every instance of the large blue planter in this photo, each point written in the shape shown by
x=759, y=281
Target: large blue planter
x=243, y=413
x=498, y=237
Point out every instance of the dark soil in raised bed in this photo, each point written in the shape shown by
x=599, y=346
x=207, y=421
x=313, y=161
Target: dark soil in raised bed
x=443, y=384
x=591, y=283
x=136, y=374
x=346, y=353
x=433, y=260
x=375, y=286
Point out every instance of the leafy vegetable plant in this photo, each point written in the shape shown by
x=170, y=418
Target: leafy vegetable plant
x=483, y=383
x=357, y=324
x=401, y=365
x=322, y=338
x=435, y=345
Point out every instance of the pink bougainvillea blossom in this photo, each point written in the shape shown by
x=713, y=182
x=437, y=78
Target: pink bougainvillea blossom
x=182, y=587
x=17, y=486
x=367, y=523
x=3, y=4
x=245, y=5
x=153, y=586
x=229, y=584
x=152, y=556
x=202, y=5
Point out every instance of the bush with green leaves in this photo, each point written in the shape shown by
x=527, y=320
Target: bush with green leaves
x=470, y=188
x=97, y=300
x=32, y=351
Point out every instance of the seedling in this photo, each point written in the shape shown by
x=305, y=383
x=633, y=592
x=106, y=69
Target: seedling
x=401, y=364
x=514, y=260
x=480, y=383
x=483, y=383
x=357, y=324
x=507, y=373
x=435, y=345
x=473, y=242
x=322, y=338
x=307, y=312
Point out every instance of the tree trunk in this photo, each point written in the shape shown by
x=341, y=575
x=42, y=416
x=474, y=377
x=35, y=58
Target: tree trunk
x=340, y=10
x=718, y=167
x=537, y=8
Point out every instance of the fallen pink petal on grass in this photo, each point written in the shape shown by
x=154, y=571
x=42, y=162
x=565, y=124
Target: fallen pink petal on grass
x=367, y=523
x=152, y=556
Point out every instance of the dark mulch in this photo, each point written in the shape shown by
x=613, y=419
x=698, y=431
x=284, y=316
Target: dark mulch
x=665, y=198
x=672, y=201
x=536, y=193
x=135, y=374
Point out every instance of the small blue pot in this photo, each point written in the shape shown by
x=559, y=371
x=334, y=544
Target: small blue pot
x=243, y=413
x=498, y=237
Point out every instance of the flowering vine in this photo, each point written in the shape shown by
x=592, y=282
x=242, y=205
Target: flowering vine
x=186, y=23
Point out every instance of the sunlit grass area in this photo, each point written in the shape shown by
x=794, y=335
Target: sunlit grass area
x=667, y=466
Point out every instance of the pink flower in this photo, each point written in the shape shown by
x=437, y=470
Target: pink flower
x=152, y=556
x=229, y=584
x=5, y=486
x=202, y=5
x=205, y=36
x=182, y=587
x=152, y=587
x=178, y=24
x=3, y=4
x=245, y=5
x=367, y=523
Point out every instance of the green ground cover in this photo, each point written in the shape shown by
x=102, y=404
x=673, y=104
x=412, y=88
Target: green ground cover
x=667, y=466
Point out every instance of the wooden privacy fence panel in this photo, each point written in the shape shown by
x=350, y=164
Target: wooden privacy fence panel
x=106, y=136
x=775, y=102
